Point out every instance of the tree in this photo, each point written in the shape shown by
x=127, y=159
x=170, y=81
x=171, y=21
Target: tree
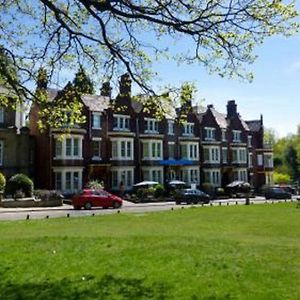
x=118, y=36
x=83, y=83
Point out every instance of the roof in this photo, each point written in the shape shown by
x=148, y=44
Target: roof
x=95, y=103
x=220, y=118
x=254, y=125
x=244, y=124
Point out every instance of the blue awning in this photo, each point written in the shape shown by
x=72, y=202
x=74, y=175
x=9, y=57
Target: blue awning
x=175, y=162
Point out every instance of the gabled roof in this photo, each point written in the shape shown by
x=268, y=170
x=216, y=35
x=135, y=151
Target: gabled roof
x=95, y=103
x=244, y=124
x=254, y=125
x=219, y=117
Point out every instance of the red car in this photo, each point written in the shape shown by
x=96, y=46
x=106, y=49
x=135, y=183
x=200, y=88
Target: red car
x=96, y=198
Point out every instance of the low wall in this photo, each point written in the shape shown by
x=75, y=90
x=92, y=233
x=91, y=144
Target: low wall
x=30, y=202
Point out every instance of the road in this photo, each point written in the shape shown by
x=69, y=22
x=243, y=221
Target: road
x=128, y=207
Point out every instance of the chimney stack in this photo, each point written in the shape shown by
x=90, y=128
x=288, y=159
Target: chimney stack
x=231, y=109
x=210, y=106
x=125, y=85
x=106, y=89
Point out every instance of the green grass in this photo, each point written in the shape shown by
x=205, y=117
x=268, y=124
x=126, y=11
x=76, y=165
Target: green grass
x=235, y=252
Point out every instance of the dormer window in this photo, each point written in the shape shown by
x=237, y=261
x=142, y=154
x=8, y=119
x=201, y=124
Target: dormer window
x=210, y=134
x=1, y=115
x=151, y=125
x=188, y=129
x=121, y=123
x=236, y=136
x=96, y=124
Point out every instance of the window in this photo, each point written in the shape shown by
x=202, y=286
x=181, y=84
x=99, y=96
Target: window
x=190, y=175
x=68, y=180
x=212, y=176
x=171, y=127
x=171, y=150
x=268, y=160
x=1, y=152
x=153, y=174
x=249, y=140
x=122, y=174
x=188, y=129
x=96, y=149
x=189, y=150
x=122, y=149
x=239, y=155
x=68, y=148
x=236, y=136
x=224, y=135
x=121, y=123
x=152, y=150
x=211, y=154
x=1, y=115
x=151, y=125
x=250, y=160
x=259, y=159
x=210, y=134
x=240, y=175
x=224, y=155
x=96, y=121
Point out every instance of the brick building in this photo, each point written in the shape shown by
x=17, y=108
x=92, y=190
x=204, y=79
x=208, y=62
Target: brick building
x=122, y=143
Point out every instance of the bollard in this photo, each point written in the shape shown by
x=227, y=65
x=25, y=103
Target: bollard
x=236, y=203
x=202, y=204
x=220, y=203
x=47, y=217
x=172, y=208
x=118, y=211
x=68, y=215
x=227, y=203
x=93, y=215
x=27, y=217
x=182, y=207
x=211, y=204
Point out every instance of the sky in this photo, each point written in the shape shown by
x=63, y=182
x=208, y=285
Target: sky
x=274, y=92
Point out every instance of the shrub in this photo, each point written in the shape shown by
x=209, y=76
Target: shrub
x=208, y=188
x=281, y=178
x=47, y=195
x=2, y=182
x=141, y=193
x=20, y=182
x=95, y=184
x=159, y=191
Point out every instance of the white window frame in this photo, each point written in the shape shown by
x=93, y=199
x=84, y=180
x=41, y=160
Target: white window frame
x=224, y=135
x=210, y=133
x=122, y=175
x=214, y=154
x=121, y=122
x=236, y=136
x=194, y=146
x=63, y=140
x=95, y=139
x=268, y=160
x=171, y=127
x=250, y=159
x=240, y=174
x=128, y=143
x=63, y=171
x=188, y=129
x=190, y=174
x=153, y=156
x=171, y=144
x=151, y=122
x=260, y=160
x=224, y=157
x=249, y=140
x=154, y=170
x=214, y=176
x=269, y=179
x=1, y=152
x=241, y=155
x=1, y=114
x=98, y=115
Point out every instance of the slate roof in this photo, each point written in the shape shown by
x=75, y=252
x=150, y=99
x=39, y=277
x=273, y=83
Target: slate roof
x=244, y=124
x=96, y=103
x=220, y=118
x=254, y=125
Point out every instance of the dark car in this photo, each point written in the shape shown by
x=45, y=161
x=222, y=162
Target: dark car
x=89, y=198
x=190, y=196
x=277, y=193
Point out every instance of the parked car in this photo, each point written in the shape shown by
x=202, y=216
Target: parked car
x=89, y=198
x=191, y=196
x=277, y=193
x=239, y=189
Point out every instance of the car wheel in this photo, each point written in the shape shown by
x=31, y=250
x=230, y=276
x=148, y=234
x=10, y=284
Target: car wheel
x=88, y=205
x=116, y=205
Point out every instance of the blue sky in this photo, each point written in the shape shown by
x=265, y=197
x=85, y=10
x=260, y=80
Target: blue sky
x=274, y=92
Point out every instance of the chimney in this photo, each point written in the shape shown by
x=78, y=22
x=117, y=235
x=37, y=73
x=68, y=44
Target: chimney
x=106, y=89
x=210, y=106
x=125, y=85
x=231, y=108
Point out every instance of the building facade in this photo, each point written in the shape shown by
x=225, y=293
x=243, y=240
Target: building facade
x=122, y=144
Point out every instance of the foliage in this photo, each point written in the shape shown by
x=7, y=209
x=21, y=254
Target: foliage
x=114, y=37
x=280, y=178
x=141, y=193
x=2, y=182
x=20, y=183
x=95, y=184
x=159, y=191
x=208, y=188
x=146, y=255
x=47, y=195
x=83, y=83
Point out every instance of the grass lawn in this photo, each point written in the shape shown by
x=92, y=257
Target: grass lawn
x=235, y=252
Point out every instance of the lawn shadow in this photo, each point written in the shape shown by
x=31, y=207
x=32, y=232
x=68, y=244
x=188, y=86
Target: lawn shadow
x=88, y=287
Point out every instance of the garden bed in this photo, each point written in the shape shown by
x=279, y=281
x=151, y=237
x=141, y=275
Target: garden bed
x=29, y=202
